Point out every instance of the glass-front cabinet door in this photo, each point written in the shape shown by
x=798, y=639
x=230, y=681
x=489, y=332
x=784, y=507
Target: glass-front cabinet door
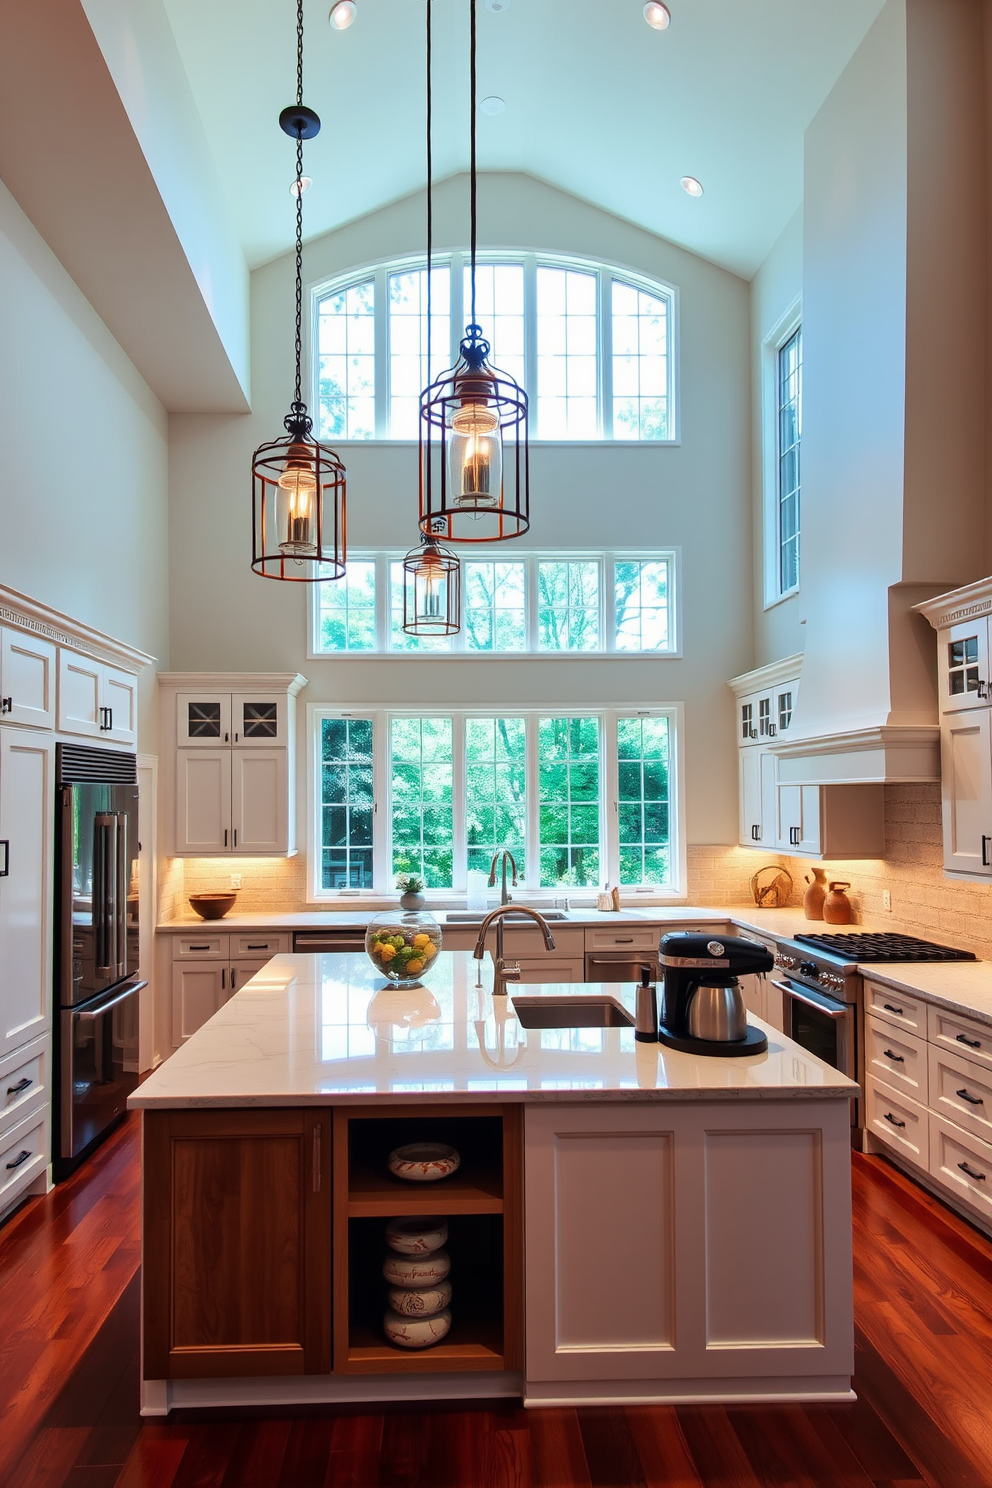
x=963, y=654
x=204, y=720
x=258, y=719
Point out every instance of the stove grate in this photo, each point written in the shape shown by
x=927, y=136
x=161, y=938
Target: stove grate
x=864, y=946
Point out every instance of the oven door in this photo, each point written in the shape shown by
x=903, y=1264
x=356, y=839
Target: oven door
x=822, y=1025
x=99, y=1058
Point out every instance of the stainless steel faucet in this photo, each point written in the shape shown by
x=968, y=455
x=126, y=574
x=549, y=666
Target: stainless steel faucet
x=506, y=973
x=504, y=855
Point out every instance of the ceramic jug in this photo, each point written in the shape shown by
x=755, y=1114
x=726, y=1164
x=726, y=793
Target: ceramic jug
x=837, y=908
x=815, y=894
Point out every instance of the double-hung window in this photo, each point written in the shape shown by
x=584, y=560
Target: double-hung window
x=547, y=605
x=789, y=382
x=579, y=796
x=593, y=345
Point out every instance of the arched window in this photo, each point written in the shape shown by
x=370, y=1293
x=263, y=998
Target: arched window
x=593, y=345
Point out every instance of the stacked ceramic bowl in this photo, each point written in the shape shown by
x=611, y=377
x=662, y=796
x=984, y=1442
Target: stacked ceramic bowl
x=416, y=1270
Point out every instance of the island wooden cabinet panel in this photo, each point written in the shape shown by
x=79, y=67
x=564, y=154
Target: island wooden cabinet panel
x=237, y=1225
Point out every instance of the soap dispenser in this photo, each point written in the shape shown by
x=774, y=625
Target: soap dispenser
x=646, y=1011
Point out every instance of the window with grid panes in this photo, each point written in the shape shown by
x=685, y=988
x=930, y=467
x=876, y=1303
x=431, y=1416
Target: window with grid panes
x=421, y=764
x=790, y=412
x=643, y=800
x=569, y=796
x=592, y=345
x=347, y=799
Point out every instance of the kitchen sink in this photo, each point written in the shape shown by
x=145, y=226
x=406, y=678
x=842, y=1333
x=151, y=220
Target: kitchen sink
x=476, y=916
x=570, y=1012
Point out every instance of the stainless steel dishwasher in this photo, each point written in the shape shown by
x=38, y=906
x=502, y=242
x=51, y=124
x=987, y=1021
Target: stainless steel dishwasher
x=620, y=966
x=316, y=941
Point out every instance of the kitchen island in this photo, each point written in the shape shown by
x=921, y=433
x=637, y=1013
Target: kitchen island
x=627, y=1223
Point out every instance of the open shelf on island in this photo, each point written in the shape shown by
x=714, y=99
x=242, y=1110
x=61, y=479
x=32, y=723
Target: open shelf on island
x=471, y=1344
x=475, y=1188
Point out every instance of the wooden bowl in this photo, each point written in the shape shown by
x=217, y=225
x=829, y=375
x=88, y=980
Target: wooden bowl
x=212, y=906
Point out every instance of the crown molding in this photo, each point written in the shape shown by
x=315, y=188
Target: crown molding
x=887, y=754
x=786, y=670
x=40, y=619
x=291, y=682
x=967, y=603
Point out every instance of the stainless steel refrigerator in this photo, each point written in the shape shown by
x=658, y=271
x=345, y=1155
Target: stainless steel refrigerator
x=97, y=898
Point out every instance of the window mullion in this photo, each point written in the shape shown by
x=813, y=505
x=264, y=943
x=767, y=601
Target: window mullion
x=610, y=603
x=459, y=853
x=533, y=878
x=381, y=354
x=610, y=797
x=530, y=343
x=604, y=349
x=381, y=817
x=531, y=593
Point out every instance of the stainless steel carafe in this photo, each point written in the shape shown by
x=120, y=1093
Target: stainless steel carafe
x=716, y=1011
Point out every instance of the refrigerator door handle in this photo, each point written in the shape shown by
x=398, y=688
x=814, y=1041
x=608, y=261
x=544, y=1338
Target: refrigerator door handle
x=123, y=875
x=104, y=893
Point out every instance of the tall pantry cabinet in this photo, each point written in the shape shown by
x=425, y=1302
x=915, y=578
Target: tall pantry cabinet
x=38, y=647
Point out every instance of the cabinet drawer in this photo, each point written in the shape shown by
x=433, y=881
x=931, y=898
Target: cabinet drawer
x=23, y=1155
x=620, y=938
x=526, y=940
x=898, y=1121
x=896, y=1007
x=960, y=1034
x=260, y=944
x=896, y=1058
x=24, y=1082
x=552, y=969
x=961, y=1091
x=962, y=1163
x=200, y=946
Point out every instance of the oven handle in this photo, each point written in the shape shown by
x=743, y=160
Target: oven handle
x=791, y=990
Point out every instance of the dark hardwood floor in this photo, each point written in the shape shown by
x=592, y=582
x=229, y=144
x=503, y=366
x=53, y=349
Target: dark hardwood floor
x=69, y=1380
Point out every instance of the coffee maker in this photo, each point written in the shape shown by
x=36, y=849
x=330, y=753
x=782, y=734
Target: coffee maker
x=702, y=1006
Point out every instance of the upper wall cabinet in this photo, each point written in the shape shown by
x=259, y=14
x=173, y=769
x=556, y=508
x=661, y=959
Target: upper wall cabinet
x=27, y=679
x=96, y=700
x=963, y=622
x=230, y=774
x=766, y=700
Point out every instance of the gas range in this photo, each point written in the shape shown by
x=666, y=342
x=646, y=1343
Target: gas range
x=830, y=961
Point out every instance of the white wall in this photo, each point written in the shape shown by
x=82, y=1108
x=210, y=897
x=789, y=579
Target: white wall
x=776, y=290
x=694, y=495
x=83, y=500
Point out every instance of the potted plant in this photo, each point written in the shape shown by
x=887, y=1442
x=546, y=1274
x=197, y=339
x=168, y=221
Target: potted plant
x=411, y=891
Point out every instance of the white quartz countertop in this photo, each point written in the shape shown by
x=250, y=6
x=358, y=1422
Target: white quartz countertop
x=316, y=1029
x=960, y=986
x=772, y=921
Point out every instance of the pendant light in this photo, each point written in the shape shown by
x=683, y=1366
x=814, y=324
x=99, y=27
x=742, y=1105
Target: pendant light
x=298, y=484
x=432, y=577
x=474, y=452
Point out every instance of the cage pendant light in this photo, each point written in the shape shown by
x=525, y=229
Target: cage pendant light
x=298, y=484
x=432, y=576
x=474, y=451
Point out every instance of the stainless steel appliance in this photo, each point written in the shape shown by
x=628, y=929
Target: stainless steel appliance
x=96, y=946
x=702, y=1006
x=823, y=997
x=316, y=941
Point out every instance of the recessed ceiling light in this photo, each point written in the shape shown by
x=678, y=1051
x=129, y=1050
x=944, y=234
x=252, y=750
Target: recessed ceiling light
x=342, y=14
x=657, y=15
x=691, y=186
x=492, y=105
x=298, y=187
x=497, y=6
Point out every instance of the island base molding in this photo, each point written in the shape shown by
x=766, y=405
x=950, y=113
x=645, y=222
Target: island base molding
x=829, y=1389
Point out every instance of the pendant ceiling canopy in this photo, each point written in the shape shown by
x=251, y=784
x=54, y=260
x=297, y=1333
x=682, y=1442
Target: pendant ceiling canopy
x=298, y=484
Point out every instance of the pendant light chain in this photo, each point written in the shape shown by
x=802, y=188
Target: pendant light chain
x=298, y=405
x=430, y=189
x=472, y=164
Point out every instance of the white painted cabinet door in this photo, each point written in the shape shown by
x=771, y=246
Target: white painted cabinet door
x=27, y=679
x=799, y=819
x=27, y=794
x=966, y=788
x=203, y=720
x=757, y=797
x=258, y=719
x=260, y=801
x=243, y=971
x=80, y=695
x=203, y=801
x=120, y=702
x=198, y=990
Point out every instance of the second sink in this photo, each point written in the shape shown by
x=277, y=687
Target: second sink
x=570, y=1012
x=476, y=917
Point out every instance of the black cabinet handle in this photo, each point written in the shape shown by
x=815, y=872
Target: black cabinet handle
x=5, y=870
x=890, y=1009
x=235, y=836
x=971, y=1043
x=6, y=705
x=978, y=1177
x=772, y=730
x=223, y=979
x=225, y=836
x=263, y=947
x=199, y=948
x=985, y=850
x=755, y=831
x=983, y=689
x=21, y=1157
x=21, y=1085
x=894, y=1119
x=973, y=1100
x=896, y=1058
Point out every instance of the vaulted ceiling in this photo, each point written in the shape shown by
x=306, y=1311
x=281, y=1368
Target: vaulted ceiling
x=597, y=103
